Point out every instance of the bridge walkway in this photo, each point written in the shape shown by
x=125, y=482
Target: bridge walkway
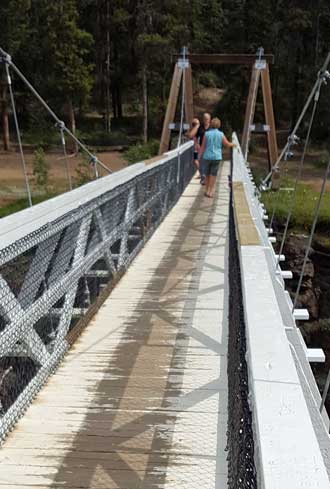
x=140, y=400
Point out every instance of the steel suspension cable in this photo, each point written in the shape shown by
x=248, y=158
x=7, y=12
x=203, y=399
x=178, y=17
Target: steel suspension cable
x=315, y=219
x=322, y=74
x=66, y=162
x=8, y=61
x=299, y=173
x=325, y=391
x=183, y=94
x=18, y=132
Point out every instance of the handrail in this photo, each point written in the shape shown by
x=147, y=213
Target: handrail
x=287, y=438
x=60, y=259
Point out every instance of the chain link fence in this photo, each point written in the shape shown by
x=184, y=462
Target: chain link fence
x=53, y=279
x=240, y=443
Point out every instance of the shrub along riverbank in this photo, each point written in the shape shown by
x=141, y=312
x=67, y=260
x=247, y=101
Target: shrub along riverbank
x=304, y=208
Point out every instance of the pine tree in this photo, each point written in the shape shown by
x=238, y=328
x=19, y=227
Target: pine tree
x=64, y=50
x=14, y=15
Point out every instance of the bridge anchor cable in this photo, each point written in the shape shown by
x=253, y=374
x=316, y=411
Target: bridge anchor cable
x=183, y=64
x=6, y=58
x=299, y=173
x=322, y=77
x=18, y=132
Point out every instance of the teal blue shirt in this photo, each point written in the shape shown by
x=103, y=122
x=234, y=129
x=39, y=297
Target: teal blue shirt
x=213, y=145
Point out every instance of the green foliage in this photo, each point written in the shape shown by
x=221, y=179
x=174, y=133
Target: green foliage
x=83, y=172
x=207, y=79
x=140, y=152
x=14, y=24
x=322, y=161
x=40, y=168
x=103, y=138
x=41, y=138
x=252, y=146
x=305, y=202
x=206, y=18
x=64, y=47
x=20, y=204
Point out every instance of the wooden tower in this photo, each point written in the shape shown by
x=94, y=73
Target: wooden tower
x=260, y=71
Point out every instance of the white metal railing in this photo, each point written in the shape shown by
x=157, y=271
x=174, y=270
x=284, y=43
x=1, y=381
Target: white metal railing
x=59, y=259
x=291, y=438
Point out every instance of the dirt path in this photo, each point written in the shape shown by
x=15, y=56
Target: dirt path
x=313, y=171
x=12, y=179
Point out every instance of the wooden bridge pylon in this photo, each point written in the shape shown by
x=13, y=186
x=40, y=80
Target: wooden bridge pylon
x=180, y=66
x=260, y=70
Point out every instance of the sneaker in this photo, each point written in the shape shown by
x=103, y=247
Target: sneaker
x=203, y=180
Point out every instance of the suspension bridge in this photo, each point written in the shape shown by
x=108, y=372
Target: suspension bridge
x=147, y=339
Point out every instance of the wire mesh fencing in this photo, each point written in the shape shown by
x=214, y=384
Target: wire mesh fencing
x=240, y=443
x=53, y=279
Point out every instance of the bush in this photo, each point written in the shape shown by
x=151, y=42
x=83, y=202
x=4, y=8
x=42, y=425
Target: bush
x=304, y=208
x=44, y=139
x=252, y=146
x=208, y=79
x=103, y=138
x=323, y=160
x=83, y=172
x=20, y=204
x=40, y=168
x=141, y=152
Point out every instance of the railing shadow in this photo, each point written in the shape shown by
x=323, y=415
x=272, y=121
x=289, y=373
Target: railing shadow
x=127, y=437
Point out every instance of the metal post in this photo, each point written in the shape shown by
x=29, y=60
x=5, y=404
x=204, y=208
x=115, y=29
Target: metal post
x=5, y=56
x=27, y=185
x=299, y=174
x=316, y=214
x=61, y=127
x=322, y=75
x=325, y=392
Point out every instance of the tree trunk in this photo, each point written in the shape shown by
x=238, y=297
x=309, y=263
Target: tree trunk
x=4, y=117
x=296, y=89
x=317, y=38
x=145, y=103
x=114, y=101
x=119, y=102
x=108, y=60
x=72, y=146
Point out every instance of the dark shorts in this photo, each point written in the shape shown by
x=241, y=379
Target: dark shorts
x=211, y=167
x=195, y=155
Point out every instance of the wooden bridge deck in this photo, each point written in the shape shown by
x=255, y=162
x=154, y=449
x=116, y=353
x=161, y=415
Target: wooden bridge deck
x=140, y=401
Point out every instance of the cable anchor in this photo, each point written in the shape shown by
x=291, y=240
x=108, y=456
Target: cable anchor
x=293, y=139
x=183, y=61
x=325, y=76
x=5, y=57
x=260, y=63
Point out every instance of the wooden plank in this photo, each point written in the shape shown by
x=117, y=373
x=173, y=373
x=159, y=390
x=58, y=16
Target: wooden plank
x=250, y=109
x=226, y=59
x=141, y=398
x=269, y=115
x=170, y=111
x=247, y=233
x=189, y=103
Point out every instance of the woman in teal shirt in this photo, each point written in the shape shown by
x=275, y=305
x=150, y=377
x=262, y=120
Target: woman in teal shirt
x=211, y=152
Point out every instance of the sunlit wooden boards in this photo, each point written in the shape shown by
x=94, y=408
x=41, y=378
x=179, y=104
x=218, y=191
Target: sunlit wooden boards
x=141, y=399
x=247, y=233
